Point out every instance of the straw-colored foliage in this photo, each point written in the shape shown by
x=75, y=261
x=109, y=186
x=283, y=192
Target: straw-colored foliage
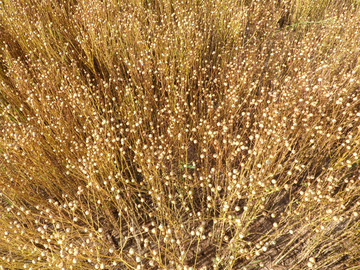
x=176, y=134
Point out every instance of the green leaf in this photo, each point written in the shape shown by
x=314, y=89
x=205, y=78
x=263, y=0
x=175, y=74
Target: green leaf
x=188, y=166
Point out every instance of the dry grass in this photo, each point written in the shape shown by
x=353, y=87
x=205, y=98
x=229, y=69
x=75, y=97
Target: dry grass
x=179, y=134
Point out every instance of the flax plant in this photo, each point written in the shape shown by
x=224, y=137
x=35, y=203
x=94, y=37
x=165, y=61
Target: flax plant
x=174, y=134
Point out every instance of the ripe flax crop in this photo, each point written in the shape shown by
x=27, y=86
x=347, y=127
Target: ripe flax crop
x=179, y=134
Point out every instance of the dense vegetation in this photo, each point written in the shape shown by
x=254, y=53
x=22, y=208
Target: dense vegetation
x=176, y=134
